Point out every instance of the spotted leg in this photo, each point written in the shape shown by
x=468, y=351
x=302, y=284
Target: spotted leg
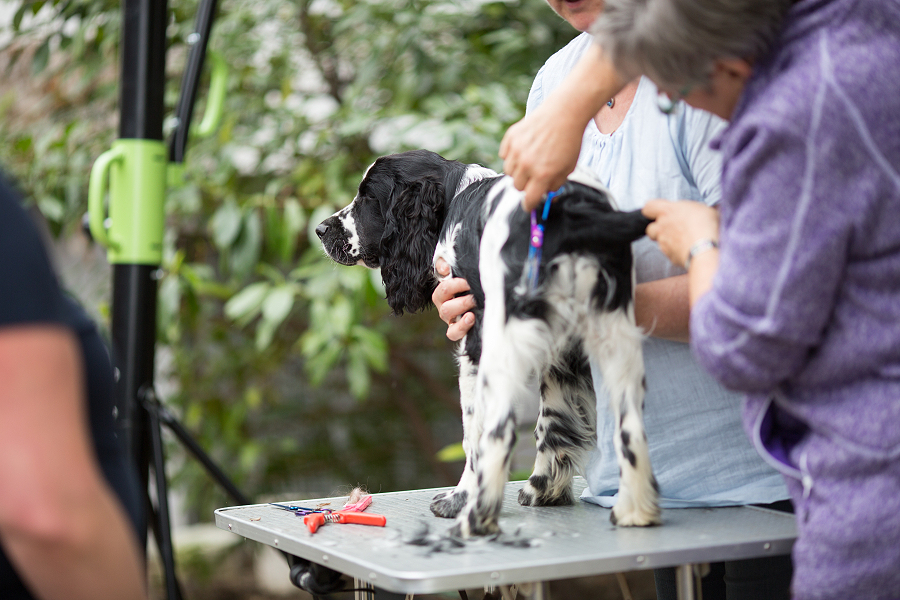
x=616, y=343
x=448, y=504
x=565, y=430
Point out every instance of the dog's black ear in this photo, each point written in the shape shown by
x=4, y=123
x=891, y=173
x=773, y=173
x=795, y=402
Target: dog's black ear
x=413, y=222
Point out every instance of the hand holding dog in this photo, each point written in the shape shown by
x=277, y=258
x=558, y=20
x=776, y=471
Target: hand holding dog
x=676, y=227
x=455, y=312
x=679, y=225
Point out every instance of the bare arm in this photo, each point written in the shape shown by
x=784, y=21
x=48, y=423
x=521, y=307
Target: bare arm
x=661, y=308
x=542, y=149
x=60, y=524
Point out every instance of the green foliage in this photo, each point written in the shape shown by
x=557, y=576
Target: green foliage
x=278, y=357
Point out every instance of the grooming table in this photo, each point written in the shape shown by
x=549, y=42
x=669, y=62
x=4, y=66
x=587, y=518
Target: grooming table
x=538, y=544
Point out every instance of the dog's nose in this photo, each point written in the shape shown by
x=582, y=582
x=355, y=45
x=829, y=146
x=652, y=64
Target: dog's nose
x=321, y=229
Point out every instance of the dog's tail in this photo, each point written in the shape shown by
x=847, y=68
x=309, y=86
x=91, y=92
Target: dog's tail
x=588, y=218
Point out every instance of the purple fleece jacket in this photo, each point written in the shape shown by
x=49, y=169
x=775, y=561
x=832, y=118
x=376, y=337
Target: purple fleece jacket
x=804, y=312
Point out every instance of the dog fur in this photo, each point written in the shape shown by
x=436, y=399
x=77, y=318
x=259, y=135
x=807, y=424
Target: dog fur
x=415, y=207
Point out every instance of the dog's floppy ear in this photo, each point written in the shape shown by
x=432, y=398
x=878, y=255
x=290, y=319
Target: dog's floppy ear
x=413, y=222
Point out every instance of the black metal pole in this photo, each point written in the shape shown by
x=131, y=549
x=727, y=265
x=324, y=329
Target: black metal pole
x=141, y=112
x=134, y=337
x=190, y=82
x=163, y=529
x=134, y=240
x=166, y=418
x=143, y=69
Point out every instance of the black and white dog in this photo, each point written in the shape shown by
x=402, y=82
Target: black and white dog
x=415, y=207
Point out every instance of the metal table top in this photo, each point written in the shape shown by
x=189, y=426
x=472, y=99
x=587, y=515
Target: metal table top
x=410, y=554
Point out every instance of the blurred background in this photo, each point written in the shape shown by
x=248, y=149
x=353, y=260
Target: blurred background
x=288, y=370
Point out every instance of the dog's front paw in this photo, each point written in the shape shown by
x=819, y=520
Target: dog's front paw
x=448, y=504
x=538, y=491
x=470, y=525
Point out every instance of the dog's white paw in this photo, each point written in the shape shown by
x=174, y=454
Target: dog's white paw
x=448, y=504
x=636, y=512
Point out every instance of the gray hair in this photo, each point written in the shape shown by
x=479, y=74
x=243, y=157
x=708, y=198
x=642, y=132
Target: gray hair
x=676, y=42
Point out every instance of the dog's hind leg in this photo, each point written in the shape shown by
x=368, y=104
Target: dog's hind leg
x=566, y=429
x=614, y=340
x=448, y=504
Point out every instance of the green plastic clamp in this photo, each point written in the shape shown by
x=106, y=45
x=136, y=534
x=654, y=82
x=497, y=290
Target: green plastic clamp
x=132, y=230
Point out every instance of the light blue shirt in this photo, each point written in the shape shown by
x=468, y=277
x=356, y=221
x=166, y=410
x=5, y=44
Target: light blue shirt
x=699, y=451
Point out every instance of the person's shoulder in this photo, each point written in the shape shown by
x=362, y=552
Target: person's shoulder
x=554, y=70
x=24, y=265
x=831, y=61
x=574, y=49
x=14, y=222
x=563, y=60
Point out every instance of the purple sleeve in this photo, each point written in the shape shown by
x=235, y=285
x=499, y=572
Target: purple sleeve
x=784, y=239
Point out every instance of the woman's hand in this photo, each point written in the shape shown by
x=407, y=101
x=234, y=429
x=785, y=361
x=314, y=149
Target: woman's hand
x=452, y=310
x=542, y=149
x=677, y=226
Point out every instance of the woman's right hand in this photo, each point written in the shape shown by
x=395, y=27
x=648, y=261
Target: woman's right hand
x=539, y=152
x=453, y=310
x=542, y=149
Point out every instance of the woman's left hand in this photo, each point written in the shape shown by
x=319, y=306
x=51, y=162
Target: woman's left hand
x=679, y=225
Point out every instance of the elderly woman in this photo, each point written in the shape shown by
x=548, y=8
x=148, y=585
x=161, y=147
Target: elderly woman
x=697, y=448
x=794, y=281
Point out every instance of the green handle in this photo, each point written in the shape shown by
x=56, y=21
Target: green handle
x=218, y=81
x=133, y=230
x=97, y=188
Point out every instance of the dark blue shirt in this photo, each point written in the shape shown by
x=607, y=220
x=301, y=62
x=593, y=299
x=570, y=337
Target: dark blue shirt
x=30, y=294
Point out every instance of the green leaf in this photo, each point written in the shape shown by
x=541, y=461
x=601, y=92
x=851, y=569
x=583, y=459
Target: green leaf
x=226, y=224
x=245, y=305
x=250, y=454
x=17, y=18
x=313, y=341
x=41, y=58
x=246, y=250
x=451, y=453
x=294, y=220
x=278, y=303
x=265, y=332
x=321, y=363
x=358, y=374
x=341, y=315
x=373, y=347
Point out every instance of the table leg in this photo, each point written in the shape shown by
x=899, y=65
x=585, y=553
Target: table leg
x=537, y=590
x=686, y=583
